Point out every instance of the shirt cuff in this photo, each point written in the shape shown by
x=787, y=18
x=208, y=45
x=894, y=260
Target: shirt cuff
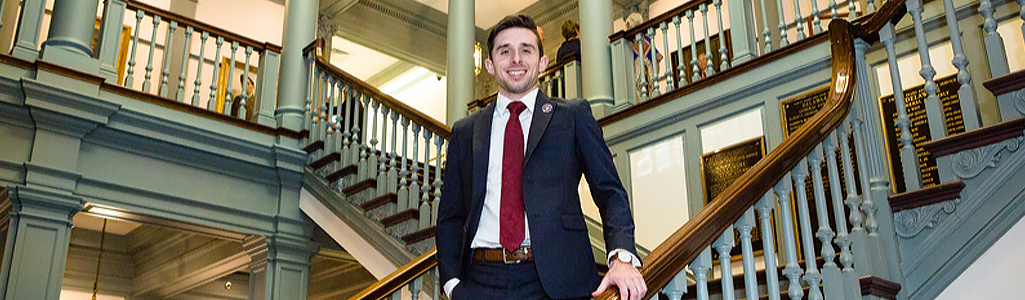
x=449, y=286
x=636, y=261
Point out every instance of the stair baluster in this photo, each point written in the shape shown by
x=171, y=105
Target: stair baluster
x=393, y=172
x=135, y=45
x=701, y=266
x=402, y=199
x=708, y=41
x=213, y=80
x=764, y=208
x=152, y=47
x=744, y=226
x=832, y=285
x=167, y=57
x=231, y=73
x=414, y=181
x=642, y=81
x=184, y=71
x=425, y=189
x=723, y=245
x=382, y=167
x=668, y=74
x=680, y=78
x=792, y=270
x=695, y=71
x=766, y=34
x=244, y=89
x=199, y=70
x=799, y=20
x=811, y=269
x=656, y=88
x=439, y=142
x=724, y=62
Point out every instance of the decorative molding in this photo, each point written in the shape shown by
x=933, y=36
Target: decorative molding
x=970, y=163
x=976, y=138
x=57, y=99
x=146, y=202
x=909, y=223
x=210, y=152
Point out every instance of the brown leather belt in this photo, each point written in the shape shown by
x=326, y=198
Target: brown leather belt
x=521, y=254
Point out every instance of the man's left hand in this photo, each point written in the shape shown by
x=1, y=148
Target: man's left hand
x=626, y=277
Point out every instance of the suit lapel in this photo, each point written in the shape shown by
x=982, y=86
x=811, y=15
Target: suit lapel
x=538, y=124
x=481, y=153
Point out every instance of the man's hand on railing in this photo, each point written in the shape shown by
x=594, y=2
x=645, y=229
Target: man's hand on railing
x=626, y=277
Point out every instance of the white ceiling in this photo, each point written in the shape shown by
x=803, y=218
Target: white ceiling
x=486, y=12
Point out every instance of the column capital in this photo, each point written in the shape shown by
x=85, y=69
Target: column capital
x=46, y=204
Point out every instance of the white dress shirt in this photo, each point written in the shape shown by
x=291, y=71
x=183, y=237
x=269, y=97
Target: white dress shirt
x=488, y=230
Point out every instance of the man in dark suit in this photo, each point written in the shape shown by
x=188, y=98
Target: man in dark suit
x=509, y=221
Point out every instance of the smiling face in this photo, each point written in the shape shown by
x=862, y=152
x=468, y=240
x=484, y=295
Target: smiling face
x=515, y=61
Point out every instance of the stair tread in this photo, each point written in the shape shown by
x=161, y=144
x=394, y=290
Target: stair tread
x=976, y=138
x=402, y=216
x=379, y=201
x=327, y=159
x=313, y=146
x=926, y=196
x=345, y=171
x=419, y=235
x=1007, y=83
x=360, y=186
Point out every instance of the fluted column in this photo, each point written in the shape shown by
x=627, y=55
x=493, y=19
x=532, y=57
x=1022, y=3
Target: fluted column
x=71, y=34
x=300, y=29
x=595, y=53
x=461, y=30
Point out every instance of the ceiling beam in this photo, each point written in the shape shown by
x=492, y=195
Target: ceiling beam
x=169, y=270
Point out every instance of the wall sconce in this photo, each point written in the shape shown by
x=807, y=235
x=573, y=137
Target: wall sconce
x=477, y=60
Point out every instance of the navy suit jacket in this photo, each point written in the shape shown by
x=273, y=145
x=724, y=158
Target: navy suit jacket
x=563, y=144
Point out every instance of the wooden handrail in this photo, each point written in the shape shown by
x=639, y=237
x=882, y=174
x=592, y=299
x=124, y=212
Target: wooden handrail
x=260, y=46
x=396, y=280
x=552, y=67
x=410, y=113
x=684, y=245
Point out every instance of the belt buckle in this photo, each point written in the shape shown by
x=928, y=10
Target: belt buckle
x=505, y=258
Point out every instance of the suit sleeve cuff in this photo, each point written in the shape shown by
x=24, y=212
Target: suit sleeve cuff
x=450, y=285
x=636, y=261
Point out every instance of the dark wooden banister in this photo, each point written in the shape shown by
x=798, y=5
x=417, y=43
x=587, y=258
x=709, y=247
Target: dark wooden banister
x=410, y=113
x=214, y=30
x=684, y=245
x=400, y=278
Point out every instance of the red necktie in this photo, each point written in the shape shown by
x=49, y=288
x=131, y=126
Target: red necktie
x=511, y=212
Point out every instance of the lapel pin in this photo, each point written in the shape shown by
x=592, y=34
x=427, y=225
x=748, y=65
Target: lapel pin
x=547, y=108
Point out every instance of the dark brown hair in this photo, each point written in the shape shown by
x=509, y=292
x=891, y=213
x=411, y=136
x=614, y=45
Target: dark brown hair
x=515, y=21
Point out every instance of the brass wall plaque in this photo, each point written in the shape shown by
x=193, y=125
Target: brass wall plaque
x=720, y=168
x=914, y=99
